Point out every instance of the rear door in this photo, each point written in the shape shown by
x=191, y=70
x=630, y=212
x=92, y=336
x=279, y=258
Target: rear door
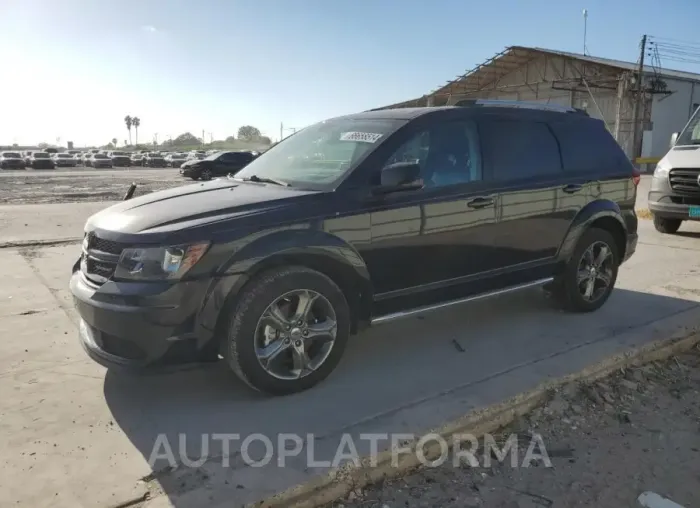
x=534, y=210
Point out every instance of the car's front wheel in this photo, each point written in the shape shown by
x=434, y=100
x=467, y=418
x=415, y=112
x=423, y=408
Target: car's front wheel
x=589, y=277
x=287, y=331
x=667, y=226
x=205, y=174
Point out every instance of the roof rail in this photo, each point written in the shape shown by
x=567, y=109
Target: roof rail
x=518, y=104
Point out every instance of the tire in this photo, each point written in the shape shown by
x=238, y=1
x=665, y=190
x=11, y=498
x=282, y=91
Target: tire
x=568, y=293
x=205, y=174
x=666, y=226
x=242, y=317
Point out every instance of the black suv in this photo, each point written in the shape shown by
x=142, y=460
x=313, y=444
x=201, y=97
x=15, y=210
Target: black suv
x=354, y=221
x=217, y=164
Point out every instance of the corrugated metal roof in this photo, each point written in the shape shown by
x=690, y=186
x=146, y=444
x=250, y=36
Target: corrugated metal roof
x=514, y=56
x=620, y=64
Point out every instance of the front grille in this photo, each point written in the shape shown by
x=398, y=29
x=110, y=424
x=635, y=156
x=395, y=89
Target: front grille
x=102, y=245
x=685, y=180
x=102, y=269
x=101, y=257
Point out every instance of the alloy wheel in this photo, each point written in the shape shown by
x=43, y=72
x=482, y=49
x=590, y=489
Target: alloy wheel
x=295, y=334
x=595, y=271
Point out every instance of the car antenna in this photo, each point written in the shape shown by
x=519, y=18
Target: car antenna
x=130, y=193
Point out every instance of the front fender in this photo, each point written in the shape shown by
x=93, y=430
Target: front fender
x=592, y=212
x=314, y=248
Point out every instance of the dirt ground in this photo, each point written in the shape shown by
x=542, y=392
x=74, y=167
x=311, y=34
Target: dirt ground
x=636, y=431
x=69, y=187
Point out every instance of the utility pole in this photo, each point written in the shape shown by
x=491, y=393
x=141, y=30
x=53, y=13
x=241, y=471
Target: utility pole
x=637, y=103
x=281, y=130
x=585, y=29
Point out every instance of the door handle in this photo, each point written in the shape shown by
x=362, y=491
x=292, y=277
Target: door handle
x=570, y=189
x=480, y=202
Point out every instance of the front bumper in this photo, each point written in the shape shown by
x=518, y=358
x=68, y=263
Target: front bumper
x=12, y=165
x=141, y=326
x=669, y=204
x=101, y=165
x=43, y=165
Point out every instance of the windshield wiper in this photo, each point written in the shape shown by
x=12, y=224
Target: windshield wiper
x=264, y=179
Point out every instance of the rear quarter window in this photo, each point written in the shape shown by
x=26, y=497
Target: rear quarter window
x=587, y=146
x=518, y=149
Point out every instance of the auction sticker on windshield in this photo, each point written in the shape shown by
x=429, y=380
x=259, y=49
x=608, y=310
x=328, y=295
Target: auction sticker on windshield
x=365, y=137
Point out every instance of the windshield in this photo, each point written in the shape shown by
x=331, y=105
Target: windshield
x=213, y=156
x=118, y=154
x=691, y=132
x=320, y=155
x=154, y=155
x=10, y=155
x=41, y=155
x=100, y=156
x=64, y=156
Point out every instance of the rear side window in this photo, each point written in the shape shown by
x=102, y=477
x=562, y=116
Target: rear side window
x=586, y=145
x=520, y=149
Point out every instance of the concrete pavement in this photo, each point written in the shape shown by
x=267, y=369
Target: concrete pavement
x=75, y=435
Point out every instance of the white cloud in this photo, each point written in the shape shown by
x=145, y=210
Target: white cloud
x=149, y=28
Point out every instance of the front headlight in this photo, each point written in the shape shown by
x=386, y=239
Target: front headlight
x=662, y=169
x=159, y=263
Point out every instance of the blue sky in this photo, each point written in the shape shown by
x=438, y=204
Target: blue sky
x=79, y=66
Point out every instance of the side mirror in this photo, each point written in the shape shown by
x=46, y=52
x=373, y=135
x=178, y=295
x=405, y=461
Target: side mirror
x=674, y=139
x=401, y=176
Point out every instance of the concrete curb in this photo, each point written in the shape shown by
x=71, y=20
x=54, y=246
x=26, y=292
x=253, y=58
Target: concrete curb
x=39, y=243
x=340, y=482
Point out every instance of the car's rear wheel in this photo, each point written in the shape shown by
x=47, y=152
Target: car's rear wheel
x=287, y=331
x=589, y=277
x=667, y=226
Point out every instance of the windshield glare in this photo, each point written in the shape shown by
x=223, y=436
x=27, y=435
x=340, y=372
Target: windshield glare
x=320, y=155
x=691, y=133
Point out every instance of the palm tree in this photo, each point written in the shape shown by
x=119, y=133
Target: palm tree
x=136, y=121
x=114, y=142
x=129, y=122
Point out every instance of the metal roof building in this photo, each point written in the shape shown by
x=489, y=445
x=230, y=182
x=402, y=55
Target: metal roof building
x=605, y=88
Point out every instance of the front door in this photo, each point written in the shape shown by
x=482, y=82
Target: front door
x=438, y=235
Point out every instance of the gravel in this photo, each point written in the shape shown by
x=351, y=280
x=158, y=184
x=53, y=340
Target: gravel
x=623, y=441
x=72, y=186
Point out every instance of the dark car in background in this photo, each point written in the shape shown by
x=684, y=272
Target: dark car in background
x=154, y=160
x=175, y=160
x=120, y=159
x=41, y=160
x=99, y=160
x=11, y=160
x=217, y=164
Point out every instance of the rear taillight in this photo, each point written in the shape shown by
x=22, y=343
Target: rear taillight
x=636, y=177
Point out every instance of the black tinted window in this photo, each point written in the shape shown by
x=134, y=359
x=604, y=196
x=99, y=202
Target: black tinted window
x=519, y=149
x=448, y=153
x=586, y=145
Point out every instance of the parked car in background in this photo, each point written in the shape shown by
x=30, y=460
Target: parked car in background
x=41, y=160
x=137, y=159
x=100, y=160
x=218, y=164
x=175, y=160
x=11, y=160
x=674, y=195
x=120, y=159
x=27, y=156
x=63, y=160
x=51, y=151
x=85, y=158
x=154, y=160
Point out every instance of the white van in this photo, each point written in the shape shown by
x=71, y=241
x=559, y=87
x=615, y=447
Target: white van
x=675, y=187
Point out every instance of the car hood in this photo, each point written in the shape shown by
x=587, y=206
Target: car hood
x=194, y=205
x=190, y=162
x=682, y=157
